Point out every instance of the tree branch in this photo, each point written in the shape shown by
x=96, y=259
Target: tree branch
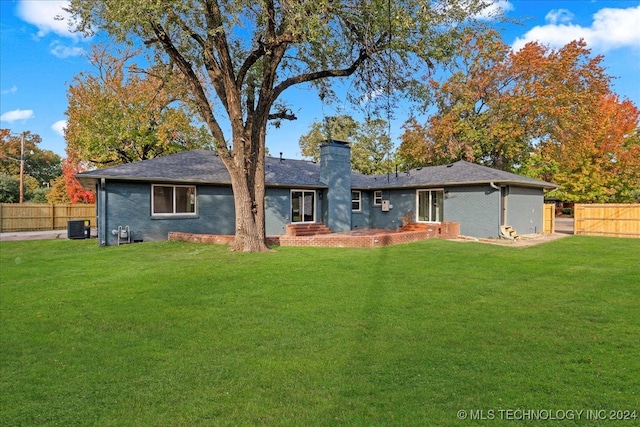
x=282, y=115
x=309, y=77
x=201, y=97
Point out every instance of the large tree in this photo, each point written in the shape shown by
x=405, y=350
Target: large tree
x=499, y=105
x=371, y=145
x=342, y=127
x=596, y=162
x=119, y=113
x=547, y=113
x=239, y=57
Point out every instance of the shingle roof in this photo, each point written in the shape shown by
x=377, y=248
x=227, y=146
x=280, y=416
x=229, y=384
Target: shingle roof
x=458, y=173
x=203, y=166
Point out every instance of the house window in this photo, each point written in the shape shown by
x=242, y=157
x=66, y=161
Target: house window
x=430, y=204
x=173, y=200
x=303, y=206
x=356, y=201
x=377, y=198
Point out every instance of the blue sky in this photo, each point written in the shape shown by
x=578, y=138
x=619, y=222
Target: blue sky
x=39, y=58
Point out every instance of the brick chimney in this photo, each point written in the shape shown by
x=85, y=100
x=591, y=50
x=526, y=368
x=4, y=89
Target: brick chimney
x=335, y=172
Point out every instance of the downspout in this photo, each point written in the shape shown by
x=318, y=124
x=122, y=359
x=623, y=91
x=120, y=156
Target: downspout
x=500, y=233
x=102, y=212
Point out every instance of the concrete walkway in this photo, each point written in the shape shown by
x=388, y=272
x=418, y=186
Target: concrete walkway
x=524, y=241
x=37, y=235
x=33, y=235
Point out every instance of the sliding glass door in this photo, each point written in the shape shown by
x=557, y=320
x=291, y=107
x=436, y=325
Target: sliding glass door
x=303, y=206
x=430, y=204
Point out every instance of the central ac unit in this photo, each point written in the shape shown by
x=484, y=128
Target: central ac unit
x=78, y=229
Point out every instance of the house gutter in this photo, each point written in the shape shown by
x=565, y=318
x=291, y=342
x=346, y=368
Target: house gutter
x=494, y=186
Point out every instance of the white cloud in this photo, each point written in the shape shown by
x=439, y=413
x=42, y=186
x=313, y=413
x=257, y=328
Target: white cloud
x=11, y=91
x=559, y=16
x=58, y=127
x=48, y=16
x=495, y=7
x=15, y=115
x=611, y=29
x=61, y=51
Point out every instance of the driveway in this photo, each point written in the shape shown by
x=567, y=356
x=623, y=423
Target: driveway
x=564, y=225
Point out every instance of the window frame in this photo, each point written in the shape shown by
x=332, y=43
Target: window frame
x=432, y=192
x=357, y=200
x=173, y=212
x=302, y=212
x=377, y=198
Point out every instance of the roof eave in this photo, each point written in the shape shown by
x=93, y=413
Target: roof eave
x=89, y=181
x=544, y=185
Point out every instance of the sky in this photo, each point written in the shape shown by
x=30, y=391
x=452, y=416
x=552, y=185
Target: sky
x=39, y=58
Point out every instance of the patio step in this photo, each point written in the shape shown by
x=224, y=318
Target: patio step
x=307, y=229
x=508, y=232
x=415, y=226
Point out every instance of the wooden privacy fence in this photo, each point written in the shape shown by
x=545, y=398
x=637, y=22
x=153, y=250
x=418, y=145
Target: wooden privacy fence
x=613, y=220
x=35, y=217
x=549, y=218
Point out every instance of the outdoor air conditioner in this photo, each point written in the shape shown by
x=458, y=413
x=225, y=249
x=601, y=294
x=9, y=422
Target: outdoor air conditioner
x=78, y=229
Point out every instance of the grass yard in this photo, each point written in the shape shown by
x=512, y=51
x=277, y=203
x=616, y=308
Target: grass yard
x=178, y=334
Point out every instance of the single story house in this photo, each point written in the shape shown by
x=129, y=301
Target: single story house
x=190, y=192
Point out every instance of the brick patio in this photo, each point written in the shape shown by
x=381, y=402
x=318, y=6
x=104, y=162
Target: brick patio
x=364, y=238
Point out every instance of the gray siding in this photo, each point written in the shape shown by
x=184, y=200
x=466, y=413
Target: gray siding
x=360, y=219
x=277, y=210
x=476, y=208
x=525, y=209
x=402, y=202
x=130, y=204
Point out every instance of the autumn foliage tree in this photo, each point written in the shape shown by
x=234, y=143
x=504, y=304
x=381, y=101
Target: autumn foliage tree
x=239, y=57
x=544, y=112
x=600, y=161
x=120, y=114
x=67, y=189
x=498, y=104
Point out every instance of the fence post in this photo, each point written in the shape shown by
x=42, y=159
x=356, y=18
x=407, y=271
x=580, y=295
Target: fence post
x=549, y=218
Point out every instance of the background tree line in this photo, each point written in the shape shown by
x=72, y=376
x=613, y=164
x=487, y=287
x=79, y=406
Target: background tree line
x=546, y=113
x=213, y=73
x=549, y=114
x=41, y=167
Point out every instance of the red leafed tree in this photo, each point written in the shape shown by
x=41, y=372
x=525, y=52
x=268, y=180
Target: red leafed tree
x=75, y=191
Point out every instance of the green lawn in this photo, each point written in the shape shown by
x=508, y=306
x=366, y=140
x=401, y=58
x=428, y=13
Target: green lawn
x=178, y=334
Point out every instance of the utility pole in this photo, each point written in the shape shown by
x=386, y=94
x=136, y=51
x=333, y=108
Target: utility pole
x=22, y=169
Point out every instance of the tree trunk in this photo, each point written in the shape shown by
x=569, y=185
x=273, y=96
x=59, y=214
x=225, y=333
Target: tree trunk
x=250, y=233
x=247, y=182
